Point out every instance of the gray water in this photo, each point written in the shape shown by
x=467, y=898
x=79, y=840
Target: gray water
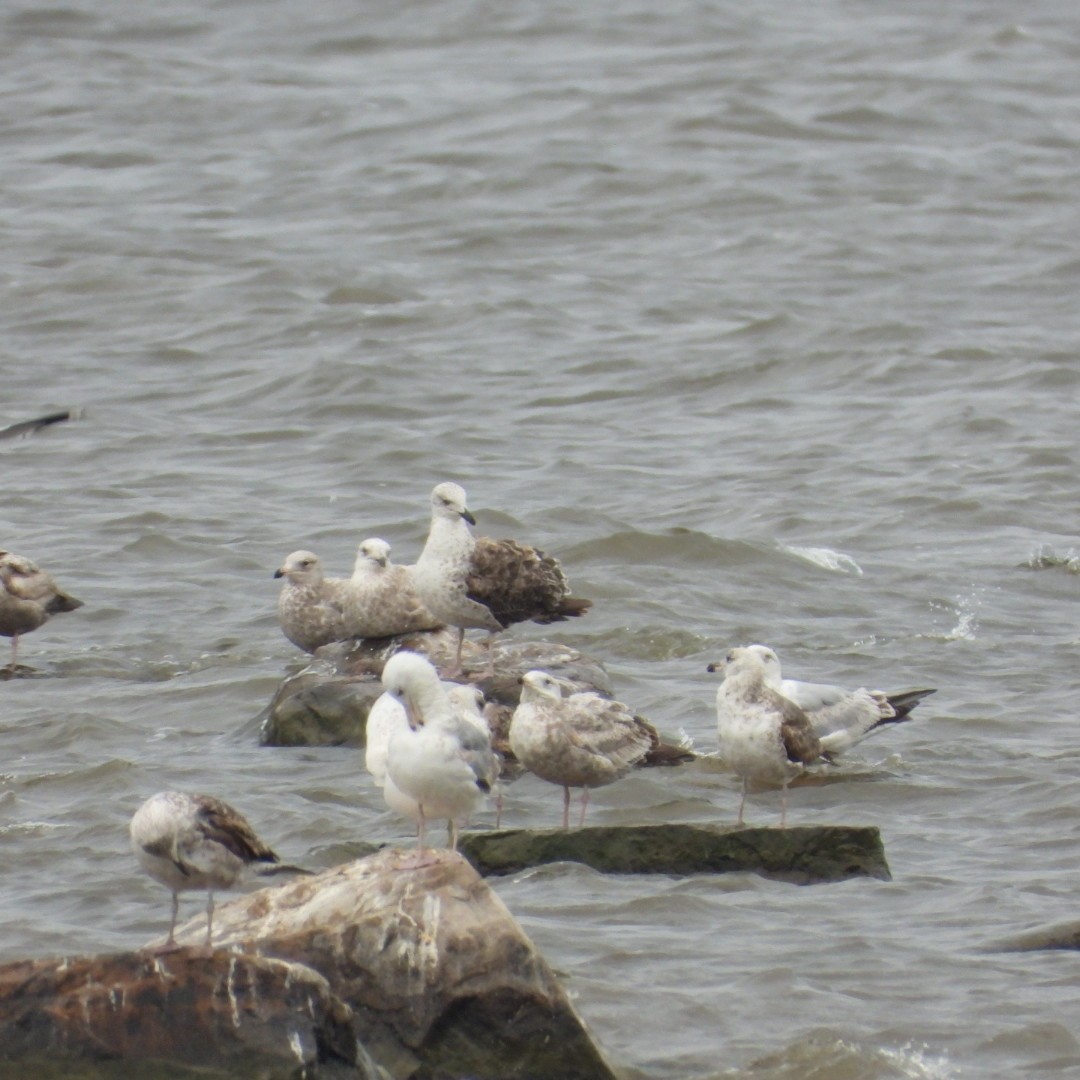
x=761, y=316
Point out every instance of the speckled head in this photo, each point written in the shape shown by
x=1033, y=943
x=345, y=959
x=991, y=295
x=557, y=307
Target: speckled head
x=301, y=568
x=448, y=500
x=539, y=684
x=374, y=550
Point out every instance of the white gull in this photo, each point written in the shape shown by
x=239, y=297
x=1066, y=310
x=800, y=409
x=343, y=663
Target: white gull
x=443, y=763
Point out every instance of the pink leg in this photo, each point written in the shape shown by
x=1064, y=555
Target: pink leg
x=742, y=803
x=209, y=917
x=566, y=808
x=584, y=806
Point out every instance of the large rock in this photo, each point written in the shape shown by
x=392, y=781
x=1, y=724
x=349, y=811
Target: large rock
x=220, y=1016
x=327, y=703
x=440, y=979
x=804, y=855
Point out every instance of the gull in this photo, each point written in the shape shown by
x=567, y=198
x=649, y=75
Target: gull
x=584, y=740
x=849, y=715
x=764, y=736
x=28, y=596
x=30, y=427
x=311, y=607
x=388, y=715
x=443, y=763
x=194, y=842
x=477, y=582
x=380, y=598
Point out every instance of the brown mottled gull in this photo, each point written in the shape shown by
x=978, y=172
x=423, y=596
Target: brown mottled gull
x=28, y=596
x=763, y=735
x=848, y=715
x=477, y=582
x=584, y=740
x=380, y=597
x=311, y=607
x=194, y=842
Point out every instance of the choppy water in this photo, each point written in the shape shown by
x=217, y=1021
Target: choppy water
x=762, y=317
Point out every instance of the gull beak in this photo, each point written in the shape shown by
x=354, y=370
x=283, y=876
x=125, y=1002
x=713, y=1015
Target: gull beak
x=468, y=517
x=382, y=561
x=713, y=668
x=279, y=572
x=416, y=721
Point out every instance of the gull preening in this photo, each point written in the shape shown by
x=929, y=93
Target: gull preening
x=311, y=607
x=478, y=583
x=584, y=740
x=763, y=735
x=28, y=596
x=380, y=598
x=194, y=842
x=439, y=760
x=847, y=716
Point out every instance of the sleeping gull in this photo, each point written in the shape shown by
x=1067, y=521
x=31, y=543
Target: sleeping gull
x=194, y=842
x=763, y=735
x=28, y=596
x=477, y=582
x=311, y=607
x=442, y=762
x=583, y=740
x=380, y=597
x=387, y=715
x=850, y=715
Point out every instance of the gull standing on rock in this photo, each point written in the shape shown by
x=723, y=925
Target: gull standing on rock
x=583, y=740
x=848, y=715
x=380, y=597
x=763, y=735
x=194, y=842
x=28, y=596
x=442, y=762
x=311, y=607
x=480, y=583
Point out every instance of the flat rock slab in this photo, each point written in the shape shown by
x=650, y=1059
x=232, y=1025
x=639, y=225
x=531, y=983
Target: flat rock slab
x=804, y=855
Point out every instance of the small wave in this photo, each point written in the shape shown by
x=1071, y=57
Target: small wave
x=826, y=558
x=1044, y=557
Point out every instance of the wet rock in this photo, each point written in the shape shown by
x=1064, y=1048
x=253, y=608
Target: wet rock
x=440, y=980
x=1063, y=936
x=134, y=1016
x=803, y=855
x=327, y=703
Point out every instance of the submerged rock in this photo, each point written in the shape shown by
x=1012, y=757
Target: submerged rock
x=327, y=703
x=219, y=1016
x=1064, y=936
x=803, y=855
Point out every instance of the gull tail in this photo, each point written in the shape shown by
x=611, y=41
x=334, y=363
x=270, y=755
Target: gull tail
x=903, y=701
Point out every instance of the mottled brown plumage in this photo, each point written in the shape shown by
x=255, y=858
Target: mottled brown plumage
x=28, y=596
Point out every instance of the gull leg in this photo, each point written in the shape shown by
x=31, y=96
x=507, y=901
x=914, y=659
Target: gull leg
x=783, y=806
x=566, y=808
x=209, y=916
x=742, y=803
x=421, y=830
x=584, y=806
x=452, y=832
x=170, y=942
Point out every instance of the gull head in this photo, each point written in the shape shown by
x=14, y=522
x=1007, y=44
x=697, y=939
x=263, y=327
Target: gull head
x=468, y=698
x=769, y=660
x=374, y=551
x=739, y=660
x=539, y=686
x=301, y=568
x=448, y=501
x=412, y=680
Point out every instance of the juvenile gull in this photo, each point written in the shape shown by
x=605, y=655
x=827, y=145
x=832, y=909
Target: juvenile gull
x=443, y=763
x=583, y=740
x=311, y=607
x=476, y=582
x=380, y=597
x=850, y=715
x=28, y=596
x=194, y=842
x=763, y=735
